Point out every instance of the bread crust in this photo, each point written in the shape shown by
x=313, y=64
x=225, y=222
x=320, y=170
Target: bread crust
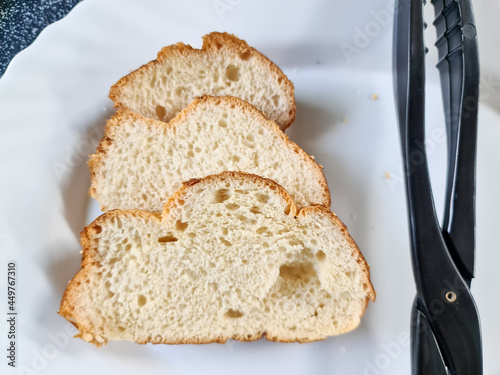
x=96, y=160
x=90, y=257
x=213, y=43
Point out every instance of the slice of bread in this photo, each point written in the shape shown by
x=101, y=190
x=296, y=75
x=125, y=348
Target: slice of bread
x=141, y=162
x=225, y=65
x=229, y=257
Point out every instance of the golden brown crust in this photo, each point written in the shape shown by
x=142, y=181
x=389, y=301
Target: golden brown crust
x=212, y=43
x=91, y=256
x=97, y=159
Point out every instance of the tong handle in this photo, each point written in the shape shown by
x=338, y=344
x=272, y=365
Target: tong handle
x=459, y=71
x=426, y=357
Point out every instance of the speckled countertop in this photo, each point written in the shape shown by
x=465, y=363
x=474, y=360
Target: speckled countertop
x=22, y=20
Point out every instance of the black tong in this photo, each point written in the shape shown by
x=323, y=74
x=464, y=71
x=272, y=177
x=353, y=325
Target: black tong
x=446, y=337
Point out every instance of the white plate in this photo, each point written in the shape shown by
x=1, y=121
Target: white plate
x=53, y=106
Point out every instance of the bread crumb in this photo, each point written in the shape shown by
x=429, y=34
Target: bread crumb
x=387, y=175
x=312, y=157
x=374, y=97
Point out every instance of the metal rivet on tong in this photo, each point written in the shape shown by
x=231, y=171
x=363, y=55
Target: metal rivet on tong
x=451, y=297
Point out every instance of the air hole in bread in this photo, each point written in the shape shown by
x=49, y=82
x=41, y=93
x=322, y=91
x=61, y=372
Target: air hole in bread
x=167, y=239
x=142, y=300
x=225, y=242
x=276, y=100
x=248, y=143
x=255, y=210
x=222, y=123
x=180, y=90
x=321, y=256
x=244, y=261
x=261, y=230
x=262, y=198
x=233, y=314
x=232, y=206
x=297, y=271
x=243, y=218
x=98, y=229
x=245, y=55
x=179, y=225
x=190, y=154
x=287, y=209
x=232, y=73
x=113, y=261
x=169, y=70
x=121, y=329
x=161, y=112
x=222, y=195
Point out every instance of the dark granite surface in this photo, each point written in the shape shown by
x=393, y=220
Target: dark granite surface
x=22, y=20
